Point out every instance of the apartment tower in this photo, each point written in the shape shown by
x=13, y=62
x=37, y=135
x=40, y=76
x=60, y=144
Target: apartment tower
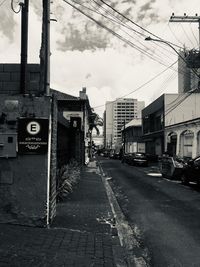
x=117, y=114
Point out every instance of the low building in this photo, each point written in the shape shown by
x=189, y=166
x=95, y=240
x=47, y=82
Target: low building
x=153, y=126
x=132, y=137
x=73, y=126
x=172, y=124
x=182, y=125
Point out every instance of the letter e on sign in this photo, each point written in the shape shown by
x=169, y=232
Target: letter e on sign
x=33, y=127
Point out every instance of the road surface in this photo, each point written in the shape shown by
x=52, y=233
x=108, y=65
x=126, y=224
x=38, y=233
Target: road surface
x=164, y=214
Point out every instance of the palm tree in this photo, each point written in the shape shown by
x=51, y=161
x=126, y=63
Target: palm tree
x=94, y=121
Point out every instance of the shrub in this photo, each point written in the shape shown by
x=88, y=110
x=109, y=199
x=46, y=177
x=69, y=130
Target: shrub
x=68, y=176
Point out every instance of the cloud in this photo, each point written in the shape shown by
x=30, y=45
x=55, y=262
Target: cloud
x=78, y=32
x=7, y=25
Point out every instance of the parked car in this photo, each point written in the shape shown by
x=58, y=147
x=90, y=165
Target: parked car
x=139, y=159
x=152, y=157
x=126, y=158
x=191, y=171
x=117, y=155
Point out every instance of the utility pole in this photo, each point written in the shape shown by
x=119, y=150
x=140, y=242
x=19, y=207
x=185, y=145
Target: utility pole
x=45, y=49
x=24, y=46
x=124, y=138
x=185, y=18
x=193, y=60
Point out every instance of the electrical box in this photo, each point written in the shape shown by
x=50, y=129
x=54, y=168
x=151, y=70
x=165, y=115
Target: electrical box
x=8, y=143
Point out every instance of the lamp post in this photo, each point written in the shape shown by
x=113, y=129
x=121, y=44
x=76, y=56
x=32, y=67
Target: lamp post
x=171, y=46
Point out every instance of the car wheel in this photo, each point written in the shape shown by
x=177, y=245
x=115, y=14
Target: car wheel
x=184, y=179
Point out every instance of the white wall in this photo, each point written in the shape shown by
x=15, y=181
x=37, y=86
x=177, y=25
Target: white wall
x=177, y=111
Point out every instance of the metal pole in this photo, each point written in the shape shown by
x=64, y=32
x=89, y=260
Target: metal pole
x=24, y=47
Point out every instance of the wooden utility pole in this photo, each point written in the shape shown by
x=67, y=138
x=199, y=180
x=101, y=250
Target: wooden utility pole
x=24, y=46
x=45, y=49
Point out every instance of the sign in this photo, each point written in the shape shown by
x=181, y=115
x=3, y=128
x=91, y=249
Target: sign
x=33, y=135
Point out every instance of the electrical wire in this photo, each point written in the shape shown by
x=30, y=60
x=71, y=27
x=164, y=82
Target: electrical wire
x=141, y=86
x=139, y=34
x=2, y=2
x=13, y=9
x=125, y=40
x=187, y=35
x=117, y=35
x=174, y=35
x=194, y=34
x=121, y=24
x=128, y=42
x=128, y=19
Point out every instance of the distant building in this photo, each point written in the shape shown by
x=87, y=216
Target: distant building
x=117, y=114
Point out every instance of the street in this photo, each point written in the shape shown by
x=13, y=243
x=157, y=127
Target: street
x=164, y=214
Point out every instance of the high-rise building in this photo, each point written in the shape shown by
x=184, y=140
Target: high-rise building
x=117, y=114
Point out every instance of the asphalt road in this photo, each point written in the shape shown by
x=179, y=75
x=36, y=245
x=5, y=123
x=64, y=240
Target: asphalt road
x=164, y=214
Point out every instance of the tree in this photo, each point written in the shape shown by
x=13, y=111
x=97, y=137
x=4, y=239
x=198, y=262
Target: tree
x=94, y=121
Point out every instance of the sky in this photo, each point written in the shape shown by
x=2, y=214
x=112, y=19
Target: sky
x=103, y=50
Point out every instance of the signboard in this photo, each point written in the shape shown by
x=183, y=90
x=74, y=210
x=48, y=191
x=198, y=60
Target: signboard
x=33, y=135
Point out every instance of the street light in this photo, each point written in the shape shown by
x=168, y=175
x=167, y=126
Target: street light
x=167, y=43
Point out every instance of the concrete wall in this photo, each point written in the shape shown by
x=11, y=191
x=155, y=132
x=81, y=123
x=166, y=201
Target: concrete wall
x=23, y=178
x=178, y=111
x=10, y=78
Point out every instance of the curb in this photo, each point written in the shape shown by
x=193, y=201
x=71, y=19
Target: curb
x=135, y=256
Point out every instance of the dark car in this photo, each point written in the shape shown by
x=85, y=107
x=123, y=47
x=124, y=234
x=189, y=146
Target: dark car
x=191, y=171
x=126, y=158
x=117, y=155
x=139, y=159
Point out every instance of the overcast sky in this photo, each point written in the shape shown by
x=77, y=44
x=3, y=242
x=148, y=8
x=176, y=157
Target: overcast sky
x=87, y=54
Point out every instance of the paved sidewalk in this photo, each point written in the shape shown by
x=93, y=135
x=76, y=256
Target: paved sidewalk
x=80, y=236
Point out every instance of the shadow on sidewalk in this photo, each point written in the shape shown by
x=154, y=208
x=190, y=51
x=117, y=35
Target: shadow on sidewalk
x=87, y=207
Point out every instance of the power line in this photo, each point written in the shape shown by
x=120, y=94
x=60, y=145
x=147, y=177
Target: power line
x=117, y=35
x=128, y=19
x=119, y=22
x=141, y=86
x=2, y=2
x=13, y=9
x=123, y=39
x=141, y=35
x=193, y=34
x=187, y=35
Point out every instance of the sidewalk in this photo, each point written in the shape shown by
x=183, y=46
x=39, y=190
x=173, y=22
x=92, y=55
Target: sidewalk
x=80, y=236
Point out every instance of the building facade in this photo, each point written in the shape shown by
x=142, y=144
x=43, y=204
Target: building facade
x=182, y=125
x=117, y=114
x=172, y=124
x=132, y=137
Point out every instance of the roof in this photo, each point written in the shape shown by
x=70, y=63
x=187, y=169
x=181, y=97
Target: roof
x=134, y=123
x=63, y=96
